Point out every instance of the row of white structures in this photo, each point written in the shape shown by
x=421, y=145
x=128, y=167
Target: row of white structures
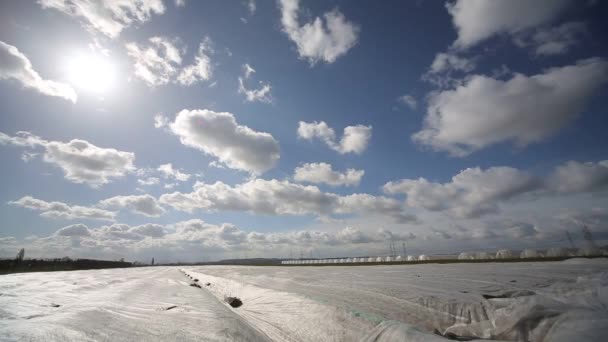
x=533, y=253
x=500, y=254
x=398, y=258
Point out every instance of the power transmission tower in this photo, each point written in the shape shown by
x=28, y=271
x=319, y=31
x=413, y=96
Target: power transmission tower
x=391, y=247
x=404, y=253
x=569, y=237
x=588, y=236
x=21, y=254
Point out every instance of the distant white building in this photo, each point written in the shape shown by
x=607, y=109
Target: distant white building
x=423, y=257
x=379, y=259
x=504, y=254
x=589, y=251
x=529, y=253
x=556, y=252
x=398, y=258
x=484, y=256
x=411, y=258
x=466, y=256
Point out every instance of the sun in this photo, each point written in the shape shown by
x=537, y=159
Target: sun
x=91, y=72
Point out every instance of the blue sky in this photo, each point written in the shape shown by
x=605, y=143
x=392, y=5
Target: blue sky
x=327, y=127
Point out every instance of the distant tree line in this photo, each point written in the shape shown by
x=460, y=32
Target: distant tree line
x=20, y=264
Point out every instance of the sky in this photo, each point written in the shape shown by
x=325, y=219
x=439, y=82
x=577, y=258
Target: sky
x=203, y=130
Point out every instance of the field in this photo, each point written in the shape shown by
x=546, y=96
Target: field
x=526, y=301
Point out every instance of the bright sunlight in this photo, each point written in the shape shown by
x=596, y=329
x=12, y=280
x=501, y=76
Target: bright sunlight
x=91, y=72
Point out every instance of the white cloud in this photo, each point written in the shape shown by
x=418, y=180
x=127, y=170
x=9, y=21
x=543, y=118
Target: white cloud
x=77, y=230
x=525, y=109
x=471, y=193
x=170, y=185
x=160, y=121
x=148, y=181
x=475, y=192
x=160, y=62
x=201, y=69
x=81, y=161
x=109, y=17
x=62, y=210
x=188, y=240
x=354, y=140
x=554, y=40
x=251, y=7
x=180, y=3
x=168, y=171
x=139, y=204
x=323, y=173
x=274, y=197
x=477, y=20
x=323, y=39
x=156, y=64
x=16, y=66
x=448, y=61
x=409, y=101
x=248, y=70
x=261, y=94
x=574, y=177
x=218, y=134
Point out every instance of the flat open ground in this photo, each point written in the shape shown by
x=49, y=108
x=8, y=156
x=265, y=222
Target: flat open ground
x=548, y=301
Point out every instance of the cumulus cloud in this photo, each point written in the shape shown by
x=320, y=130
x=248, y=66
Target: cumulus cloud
x=478, y=20
x=108, y=17
x=323, y=39
x=573, y=177
x=14, y=65
x=475, y=192
x=160, y=62
x=62, y=210
x=354, y=140
x=323, y=173
x=168, y=171
x=275, y=197
x=81, y=161
x=191, y=240
x=525, y=109
x=218, y=134
x=471, y=193
x=553, y=40
x=139, y=204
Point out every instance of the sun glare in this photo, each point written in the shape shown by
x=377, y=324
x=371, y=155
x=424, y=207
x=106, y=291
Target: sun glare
x=91, y=72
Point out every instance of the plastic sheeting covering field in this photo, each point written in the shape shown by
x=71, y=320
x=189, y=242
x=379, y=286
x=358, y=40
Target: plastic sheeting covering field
x=548, y=301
